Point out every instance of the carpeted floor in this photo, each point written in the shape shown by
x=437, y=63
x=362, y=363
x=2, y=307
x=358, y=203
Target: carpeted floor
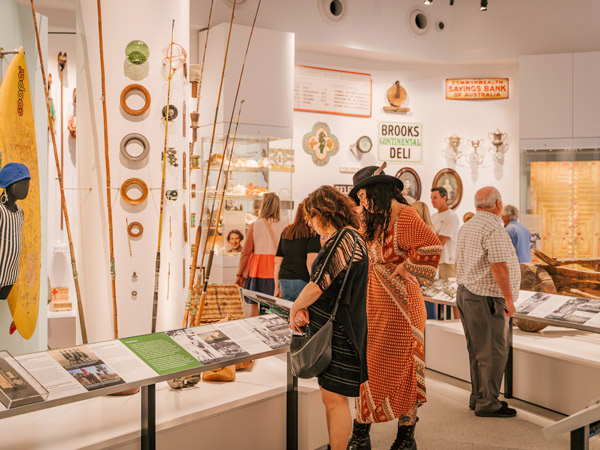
x=446, y=423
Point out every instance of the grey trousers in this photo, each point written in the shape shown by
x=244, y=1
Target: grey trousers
x=486, y=331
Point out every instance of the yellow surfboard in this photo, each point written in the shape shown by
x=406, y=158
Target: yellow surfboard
x=17, y=144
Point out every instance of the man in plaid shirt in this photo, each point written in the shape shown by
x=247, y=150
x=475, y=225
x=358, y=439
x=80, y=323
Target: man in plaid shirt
x=488, y=277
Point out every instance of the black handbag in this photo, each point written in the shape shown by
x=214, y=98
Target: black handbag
x=311, y=355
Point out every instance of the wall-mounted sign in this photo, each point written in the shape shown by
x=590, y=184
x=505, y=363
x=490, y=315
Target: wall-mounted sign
x=281, y=159
x=320, y=143
x=400, y=142
x=332, y=91
x=476, y=88
x=344, y=188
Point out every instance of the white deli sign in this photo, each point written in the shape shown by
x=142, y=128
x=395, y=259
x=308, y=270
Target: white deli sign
x=400, y=142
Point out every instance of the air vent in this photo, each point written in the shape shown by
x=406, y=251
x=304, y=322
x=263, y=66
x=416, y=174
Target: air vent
x=418, y=21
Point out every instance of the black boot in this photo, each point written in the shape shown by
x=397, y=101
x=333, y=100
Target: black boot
x=405, y=439
x=360, y=439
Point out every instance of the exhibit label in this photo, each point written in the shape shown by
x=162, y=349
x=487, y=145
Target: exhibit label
x=476, y=88
x=400, y=142
x=332, y=91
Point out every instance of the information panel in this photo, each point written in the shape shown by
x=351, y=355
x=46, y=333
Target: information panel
x=400, y=142
x=332, y=91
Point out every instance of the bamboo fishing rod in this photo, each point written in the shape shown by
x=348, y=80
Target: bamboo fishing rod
x=107, y=164
x=204, y=56
x=198, y=317
x=212, y=143
x=162, y=187
x=226, y=143
x=62, y=62
x=60, y=183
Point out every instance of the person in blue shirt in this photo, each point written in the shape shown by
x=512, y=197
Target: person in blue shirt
x=520, y=236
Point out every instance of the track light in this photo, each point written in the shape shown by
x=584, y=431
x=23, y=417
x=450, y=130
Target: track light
x=483, y=6
x=428, y=2
x=451, y=2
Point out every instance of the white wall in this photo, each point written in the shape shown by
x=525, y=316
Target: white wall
x=16, y=30
x=440, y=119
x=150, y=21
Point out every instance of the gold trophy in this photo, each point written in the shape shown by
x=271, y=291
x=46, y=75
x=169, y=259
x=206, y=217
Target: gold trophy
x=475, y=158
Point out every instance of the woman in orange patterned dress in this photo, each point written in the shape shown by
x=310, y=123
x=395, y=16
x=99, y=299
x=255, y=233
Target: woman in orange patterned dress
x=403, y=253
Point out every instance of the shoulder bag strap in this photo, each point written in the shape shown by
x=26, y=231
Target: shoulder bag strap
x=271, y=233
x=337, y=302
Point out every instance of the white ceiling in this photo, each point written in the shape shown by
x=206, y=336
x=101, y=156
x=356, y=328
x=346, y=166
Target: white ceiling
x=378, y=29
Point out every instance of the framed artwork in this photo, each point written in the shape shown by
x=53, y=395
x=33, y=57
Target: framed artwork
x=412, y=183
x=450, y=180
x=320, y=143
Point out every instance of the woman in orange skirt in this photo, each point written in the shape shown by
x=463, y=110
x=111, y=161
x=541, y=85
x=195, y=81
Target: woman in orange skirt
x=403, y=253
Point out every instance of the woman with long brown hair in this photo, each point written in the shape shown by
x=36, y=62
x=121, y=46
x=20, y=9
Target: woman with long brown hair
x=330, y=213
x=257, y=263
x=298, y=248
x=403, y=253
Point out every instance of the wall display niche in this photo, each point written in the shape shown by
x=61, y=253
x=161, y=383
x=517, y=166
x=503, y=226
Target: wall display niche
x=450, y=180
x=411, y=181
x=320, y=144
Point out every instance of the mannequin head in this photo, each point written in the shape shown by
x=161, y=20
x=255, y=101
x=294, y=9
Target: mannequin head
x=18, y=190
x=14, y=178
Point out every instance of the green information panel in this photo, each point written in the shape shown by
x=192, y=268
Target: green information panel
x=161, y=353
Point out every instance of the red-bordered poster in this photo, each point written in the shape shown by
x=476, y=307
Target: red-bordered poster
x=476, y=88
x=330, y=91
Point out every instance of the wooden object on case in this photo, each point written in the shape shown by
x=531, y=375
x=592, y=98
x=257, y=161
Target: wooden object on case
x=396, y=95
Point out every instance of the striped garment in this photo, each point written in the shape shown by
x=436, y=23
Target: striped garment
x=11, y=224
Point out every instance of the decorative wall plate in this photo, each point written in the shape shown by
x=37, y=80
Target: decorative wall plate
x=450, y=180
x=320, y=143
x=412, y=182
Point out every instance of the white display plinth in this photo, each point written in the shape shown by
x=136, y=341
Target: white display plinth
x=557, y=368
x=248, y=413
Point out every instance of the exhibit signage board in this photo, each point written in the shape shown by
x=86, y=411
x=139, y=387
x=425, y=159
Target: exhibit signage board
x=85, y=368
x=332, y=91
x=476, y=88
x=400, y=142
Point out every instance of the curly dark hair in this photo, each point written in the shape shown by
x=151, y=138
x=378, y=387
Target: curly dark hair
x=379, y=197
x=331, y=207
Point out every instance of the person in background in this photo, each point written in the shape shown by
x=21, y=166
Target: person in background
x=330, y=213
x=403, y=252
x=423, y=212
x=235, y=238
x=445, y=224
x=298, y=248
x=257, y=263
x=488, y=279
x=520, y=236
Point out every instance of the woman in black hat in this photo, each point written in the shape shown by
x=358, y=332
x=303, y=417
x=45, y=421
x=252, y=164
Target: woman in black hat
x=403, y=253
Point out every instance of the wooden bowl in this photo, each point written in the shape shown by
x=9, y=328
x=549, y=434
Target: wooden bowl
x=529, y=325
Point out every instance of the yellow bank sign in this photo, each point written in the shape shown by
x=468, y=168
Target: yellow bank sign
x=476, y=88
x=401, y=142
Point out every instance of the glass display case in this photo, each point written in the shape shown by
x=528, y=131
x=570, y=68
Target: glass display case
x=258, y=166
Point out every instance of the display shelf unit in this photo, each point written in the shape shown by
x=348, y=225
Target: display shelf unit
x=148, y=394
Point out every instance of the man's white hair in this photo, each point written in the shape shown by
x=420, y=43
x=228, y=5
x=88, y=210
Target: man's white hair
x=511, y=212
x=488, y=201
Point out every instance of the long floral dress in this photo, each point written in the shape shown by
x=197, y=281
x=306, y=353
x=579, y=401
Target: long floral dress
x=396, y=319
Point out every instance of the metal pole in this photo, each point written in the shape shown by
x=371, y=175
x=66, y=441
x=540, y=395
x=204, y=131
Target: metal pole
x=148, y=417
x=291, y=408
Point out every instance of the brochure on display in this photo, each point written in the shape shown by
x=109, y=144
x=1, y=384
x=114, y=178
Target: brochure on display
x=570, y=310
x=77, y=370
x=444, y=290
x=276, y=305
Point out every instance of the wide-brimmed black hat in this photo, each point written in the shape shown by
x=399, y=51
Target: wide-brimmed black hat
x=371, y=175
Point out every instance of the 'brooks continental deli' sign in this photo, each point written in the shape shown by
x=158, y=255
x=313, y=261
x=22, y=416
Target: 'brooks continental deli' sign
x=400, y=142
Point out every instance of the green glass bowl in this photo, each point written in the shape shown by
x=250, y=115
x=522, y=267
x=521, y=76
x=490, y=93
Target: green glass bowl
x=137, y=52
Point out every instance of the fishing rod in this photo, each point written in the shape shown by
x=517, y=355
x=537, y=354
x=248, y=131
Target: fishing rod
x=162, y=187
x=62, y=62
x=107, y=164
x=212, y=143
x=198, y=317
x=60, y=183
x=227, y=140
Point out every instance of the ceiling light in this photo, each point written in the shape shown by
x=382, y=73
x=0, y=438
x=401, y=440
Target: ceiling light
x=483, y=6
x=428, y=2
x=451, y=2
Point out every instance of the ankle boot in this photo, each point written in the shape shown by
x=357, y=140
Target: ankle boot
x=405, y=439
x=360, y=439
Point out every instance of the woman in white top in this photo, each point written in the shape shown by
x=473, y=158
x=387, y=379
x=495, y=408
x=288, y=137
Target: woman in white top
x=257, y=262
